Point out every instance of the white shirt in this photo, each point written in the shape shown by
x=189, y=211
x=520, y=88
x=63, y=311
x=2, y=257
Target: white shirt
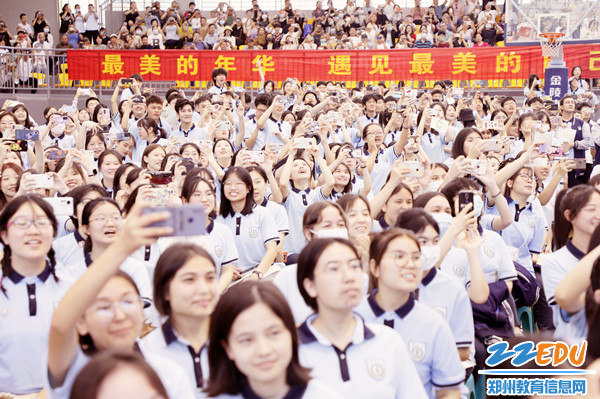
x=375, y=365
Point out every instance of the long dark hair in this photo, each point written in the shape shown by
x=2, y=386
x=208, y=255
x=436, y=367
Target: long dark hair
x=573, y=200
x=245, y=177
x=8, y=212
x=225, y=377
x=87, y=212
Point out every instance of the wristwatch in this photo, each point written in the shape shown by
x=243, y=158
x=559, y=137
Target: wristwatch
x=259, y=274
x=94, y=173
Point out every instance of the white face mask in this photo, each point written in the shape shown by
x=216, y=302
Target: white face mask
x=332, y=233
x=443, y=220
x=431, y=255
x=435, y=186
x=58, y=129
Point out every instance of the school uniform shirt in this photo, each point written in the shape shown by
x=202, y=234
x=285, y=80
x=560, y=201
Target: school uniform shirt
x=495, y=263
x=140, y=146
x=63, y=141
x=366, y=120
x=132, y=267
x=313, y=390
x=218, y=241
x=26, y=309
x=272, y=126
x=171, y=375
x=392, y=136
x=165, y=341
x=456, y=264
x=193, y=133
x=525, y=233
x=216, y=90
x=148, y=255
x=428, y=339
x=250, y=125
x=133, y=127
x=375, y=364
x=433, y=146
x=295, y=204
x=570, y=327
x=382, y=167
x=251, y=233
x=68, y=250
x=281, y=218
x=449, y=299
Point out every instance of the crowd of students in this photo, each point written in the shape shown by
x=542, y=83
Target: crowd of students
x=400, y=229
x=454, y=23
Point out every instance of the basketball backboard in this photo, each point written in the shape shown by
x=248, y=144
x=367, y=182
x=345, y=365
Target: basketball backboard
x=579, y=20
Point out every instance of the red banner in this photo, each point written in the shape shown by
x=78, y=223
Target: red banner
x=338, y=65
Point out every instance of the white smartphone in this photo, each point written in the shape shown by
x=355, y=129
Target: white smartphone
x=186, y=220
x=304, y=142
x=62, y=206
x=43, y=180
x=417, y=169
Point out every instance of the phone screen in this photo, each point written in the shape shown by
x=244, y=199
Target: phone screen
x=464, y=199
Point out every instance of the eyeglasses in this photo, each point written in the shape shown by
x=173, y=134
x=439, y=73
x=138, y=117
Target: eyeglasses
x=336, y=267
x=103, y=219
x=401, y=258
x=527, y=177
x=22, y=223
x=236, y=183
x=104, y=311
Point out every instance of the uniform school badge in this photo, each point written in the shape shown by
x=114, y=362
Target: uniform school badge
x=417, y=350
x=440, y=310
x=459, y=270
x=376, y=368
x=219, y=251
x=253, y=232
x=489, y=251
x=531, y=222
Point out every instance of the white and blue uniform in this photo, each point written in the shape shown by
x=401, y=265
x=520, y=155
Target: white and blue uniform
x=446, y=296
x=456, y=264
x=433, y=146
x=63, y=141
x=295, y=204
x=26, y=308
x=428, y=338
x=69, y=249
x=495, y=263
x=525, y=233
x=140, y=146
x=165, y=342
x=382, y=167
x=193, y=133
x=281, y=218
x=375, y=364
x=251, y=233
x=571, y=328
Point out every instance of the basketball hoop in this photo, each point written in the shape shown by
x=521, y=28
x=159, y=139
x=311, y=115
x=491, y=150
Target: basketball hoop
x=551, y=43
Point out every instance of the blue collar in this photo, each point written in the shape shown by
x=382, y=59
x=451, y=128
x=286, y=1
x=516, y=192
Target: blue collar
x=402, y=311
x=306, y=336
x=62, y=136
x=168, y=332
x=574, y=251
x=429, y=278
x=384, y=225
x=295, y=392
x=16, y=278
x=88, y=259
x=156, y=141
x=78, y=237
x=265, y=202
x=297, y=190
x=210, y=226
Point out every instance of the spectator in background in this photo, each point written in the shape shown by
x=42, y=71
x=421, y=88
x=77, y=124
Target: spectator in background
x=99, y=45
x=91, y=23
x=23, y=39
x=318, y=14
x=5, y=35
x=239, y=32
x=79, y=21
x=212, y=37
x=66, y=19
x=479, y=41
x=24, y=26
x=422, y=41
x=132, y=14
x=39, y=23
x=417, y=13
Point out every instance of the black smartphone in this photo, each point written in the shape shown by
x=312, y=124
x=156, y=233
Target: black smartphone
x=464, y=199
x=127, y=81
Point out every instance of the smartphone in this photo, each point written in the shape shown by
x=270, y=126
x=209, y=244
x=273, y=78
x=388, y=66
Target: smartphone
x=417, y=169
x=123, y=136
x=304, y=142
x=283, y=100
x=62, y=206
x=491, y=145
x=57, y=154
x=105, y=112
x=491, y=125
x=225, y=125
x=550, y=150
x=580, y=163
x=391, y=108
x=137, y=99
x=60, y=119
x=186, y=220
x=18, y=145
x=161, y=177
x=43, y=181
x=27, y=134
x=159, y=196
x=465, y=199
x=475, y=167
x=127, y=81
x=356, y=153
x=257, y=157
x=397, y=94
